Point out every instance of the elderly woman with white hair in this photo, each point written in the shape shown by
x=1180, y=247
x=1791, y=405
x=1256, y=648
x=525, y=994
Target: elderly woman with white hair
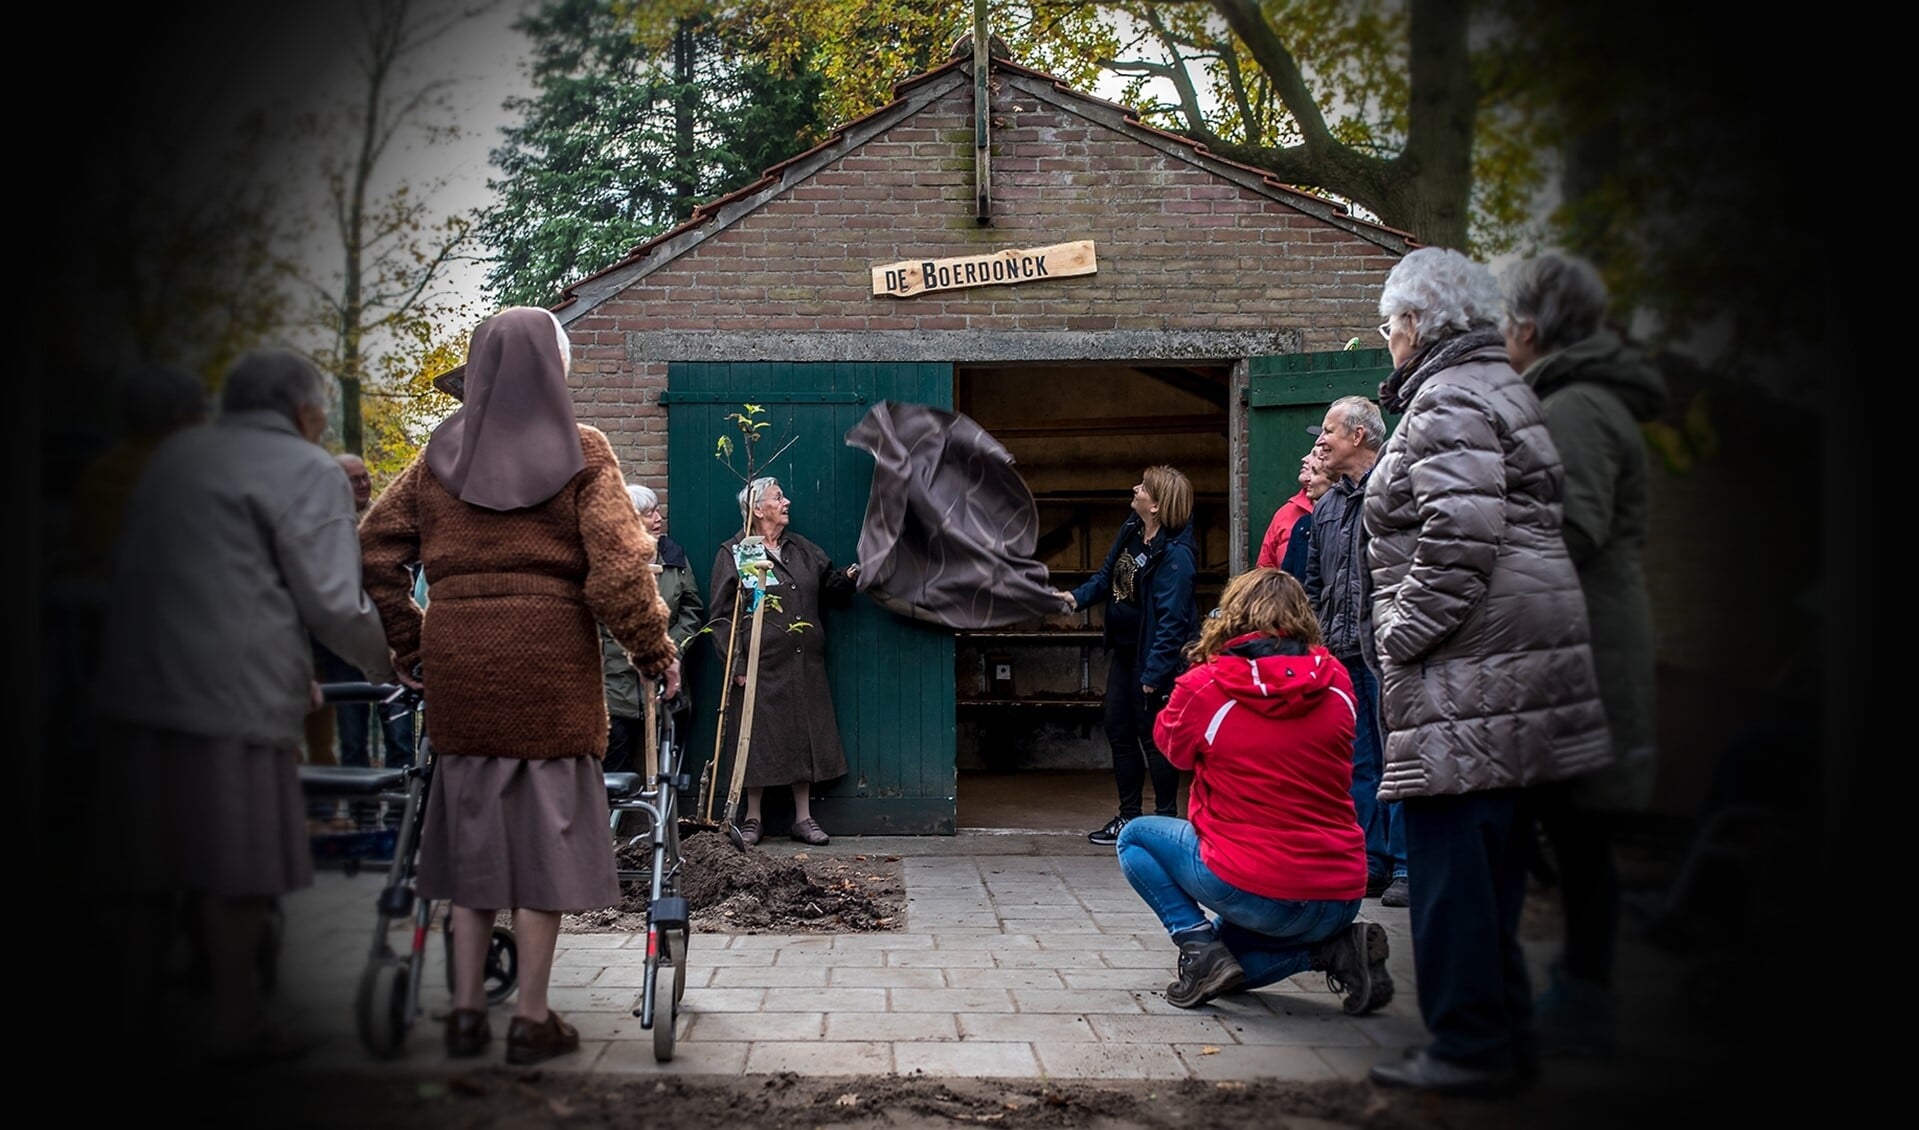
x=685, y=613
x=796, y=735
x=1486, y=671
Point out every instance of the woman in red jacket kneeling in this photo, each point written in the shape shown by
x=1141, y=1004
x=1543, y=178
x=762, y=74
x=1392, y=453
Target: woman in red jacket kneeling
x=1264, y=719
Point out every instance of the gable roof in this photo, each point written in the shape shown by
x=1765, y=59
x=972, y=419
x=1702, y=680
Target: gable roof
x=910, y=96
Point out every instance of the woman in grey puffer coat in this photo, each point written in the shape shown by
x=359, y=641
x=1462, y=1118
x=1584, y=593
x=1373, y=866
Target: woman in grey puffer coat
x=1486, y=671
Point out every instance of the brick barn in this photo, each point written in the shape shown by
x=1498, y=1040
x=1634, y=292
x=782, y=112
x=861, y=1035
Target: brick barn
x=1185, y=310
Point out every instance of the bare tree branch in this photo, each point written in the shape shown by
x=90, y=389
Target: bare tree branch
x=1182, y=80
x=1255, y=122
x=1251, y=26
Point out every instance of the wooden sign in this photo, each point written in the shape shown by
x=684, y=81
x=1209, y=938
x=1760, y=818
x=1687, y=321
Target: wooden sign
x=1014, y=265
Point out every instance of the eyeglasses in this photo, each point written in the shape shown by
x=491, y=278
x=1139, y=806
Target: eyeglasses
x=1386, y=328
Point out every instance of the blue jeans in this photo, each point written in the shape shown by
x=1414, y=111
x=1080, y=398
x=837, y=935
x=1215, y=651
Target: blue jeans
x=353, y=720
x=1272, y=939
x=1385, y=831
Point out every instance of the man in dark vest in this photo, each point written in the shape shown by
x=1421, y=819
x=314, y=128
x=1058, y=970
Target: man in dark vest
x=1338, y=582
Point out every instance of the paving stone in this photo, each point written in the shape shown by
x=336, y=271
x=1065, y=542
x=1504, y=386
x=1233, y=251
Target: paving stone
x=1113, y=1061
x=967, y=1059
x=819, y=1058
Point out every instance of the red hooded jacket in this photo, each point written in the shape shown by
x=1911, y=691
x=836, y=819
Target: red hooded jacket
x=1279, y=532
x=1267, y=726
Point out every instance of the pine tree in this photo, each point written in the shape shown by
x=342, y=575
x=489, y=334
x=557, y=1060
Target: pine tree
x=624, y=136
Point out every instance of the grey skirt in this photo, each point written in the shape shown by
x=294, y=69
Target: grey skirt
x=529, y=833
x=183, y=812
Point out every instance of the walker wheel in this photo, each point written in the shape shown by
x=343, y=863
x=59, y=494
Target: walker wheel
x=380, y=1007
x=502, y=963
x=668, y=980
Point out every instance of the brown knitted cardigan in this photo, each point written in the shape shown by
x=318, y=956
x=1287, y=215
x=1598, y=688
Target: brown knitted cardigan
x=508, y=649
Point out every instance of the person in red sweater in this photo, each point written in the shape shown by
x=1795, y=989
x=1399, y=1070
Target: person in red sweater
x=1279, y=532
x=1264, y=718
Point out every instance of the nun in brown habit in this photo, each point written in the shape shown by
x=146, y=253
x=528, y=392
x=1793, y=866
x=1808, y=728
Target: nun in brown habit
x=519, y=516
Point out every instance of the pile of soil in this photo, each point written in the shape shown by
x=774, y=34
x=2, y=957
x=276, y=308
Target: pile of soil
x=731, y=891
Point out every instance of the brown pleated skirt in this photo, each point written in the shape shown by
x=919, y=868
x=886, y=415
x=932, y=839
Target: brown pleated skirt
x=529, y=833
x=184, y=812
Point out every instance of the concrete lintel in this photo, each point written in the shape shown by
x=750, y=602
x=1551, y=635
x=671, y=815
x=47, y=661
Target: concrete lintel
x=960, y=345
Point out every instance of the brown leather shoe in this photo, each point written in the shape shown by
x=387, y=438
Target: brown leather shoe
x=751, y=832
x=808, y=831
x=467, y=1032
x=529, y=1042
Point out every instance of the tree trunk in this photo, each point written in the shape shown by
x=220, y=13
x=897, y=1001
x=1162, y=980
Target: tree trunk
x=351, y=428
x=1434, y=191
x=1431, y=219
x=686, y=179
x=1426, y=190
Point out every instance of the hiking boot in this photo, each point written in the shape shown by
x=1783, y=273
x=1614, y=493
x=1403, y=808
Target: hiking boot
x=1354, y=961
x=1107, y=833
x=1396, y=893
x=1206, y=970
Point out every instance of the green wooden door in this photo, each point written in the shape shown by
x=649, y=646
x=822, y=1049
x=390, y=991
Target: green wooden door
x=1286, y=394
x=892, y=678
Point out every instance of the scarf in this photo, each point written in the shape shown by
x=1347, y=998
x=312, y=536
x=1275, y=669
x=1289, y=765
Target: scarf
x=1396, y=392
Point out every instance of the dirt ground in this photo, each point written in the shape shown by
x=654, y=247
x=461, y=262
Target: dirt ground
x=501, y=1098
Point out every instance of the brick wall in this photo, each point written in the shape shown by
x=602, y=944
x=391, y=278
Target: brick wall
x=1190, y=254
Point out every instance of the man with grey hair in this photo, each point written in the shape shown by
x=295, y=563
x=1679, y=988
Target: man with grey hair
x=1338, y=581
x=239, y=541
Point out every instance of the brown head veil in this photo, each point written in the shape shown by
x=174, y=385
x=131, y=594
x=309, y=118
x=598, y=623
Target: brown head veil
x=514, y=441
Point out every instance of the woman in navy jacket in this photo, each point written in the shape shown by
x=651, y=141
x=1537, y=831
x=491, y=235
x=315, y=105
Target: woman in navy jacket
x=1151, y=615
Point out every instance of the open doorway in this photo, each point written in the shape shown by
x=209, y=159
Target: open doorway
x=1031, y=749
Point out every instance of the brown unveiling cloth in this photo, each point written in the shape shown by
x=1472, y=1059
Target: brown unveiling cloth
x=950, y=525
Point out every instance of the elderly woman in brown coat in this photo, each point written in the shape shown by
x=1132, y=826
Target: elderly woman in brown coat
x=521, y=521
x=1486, y=670
x=796, y=734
